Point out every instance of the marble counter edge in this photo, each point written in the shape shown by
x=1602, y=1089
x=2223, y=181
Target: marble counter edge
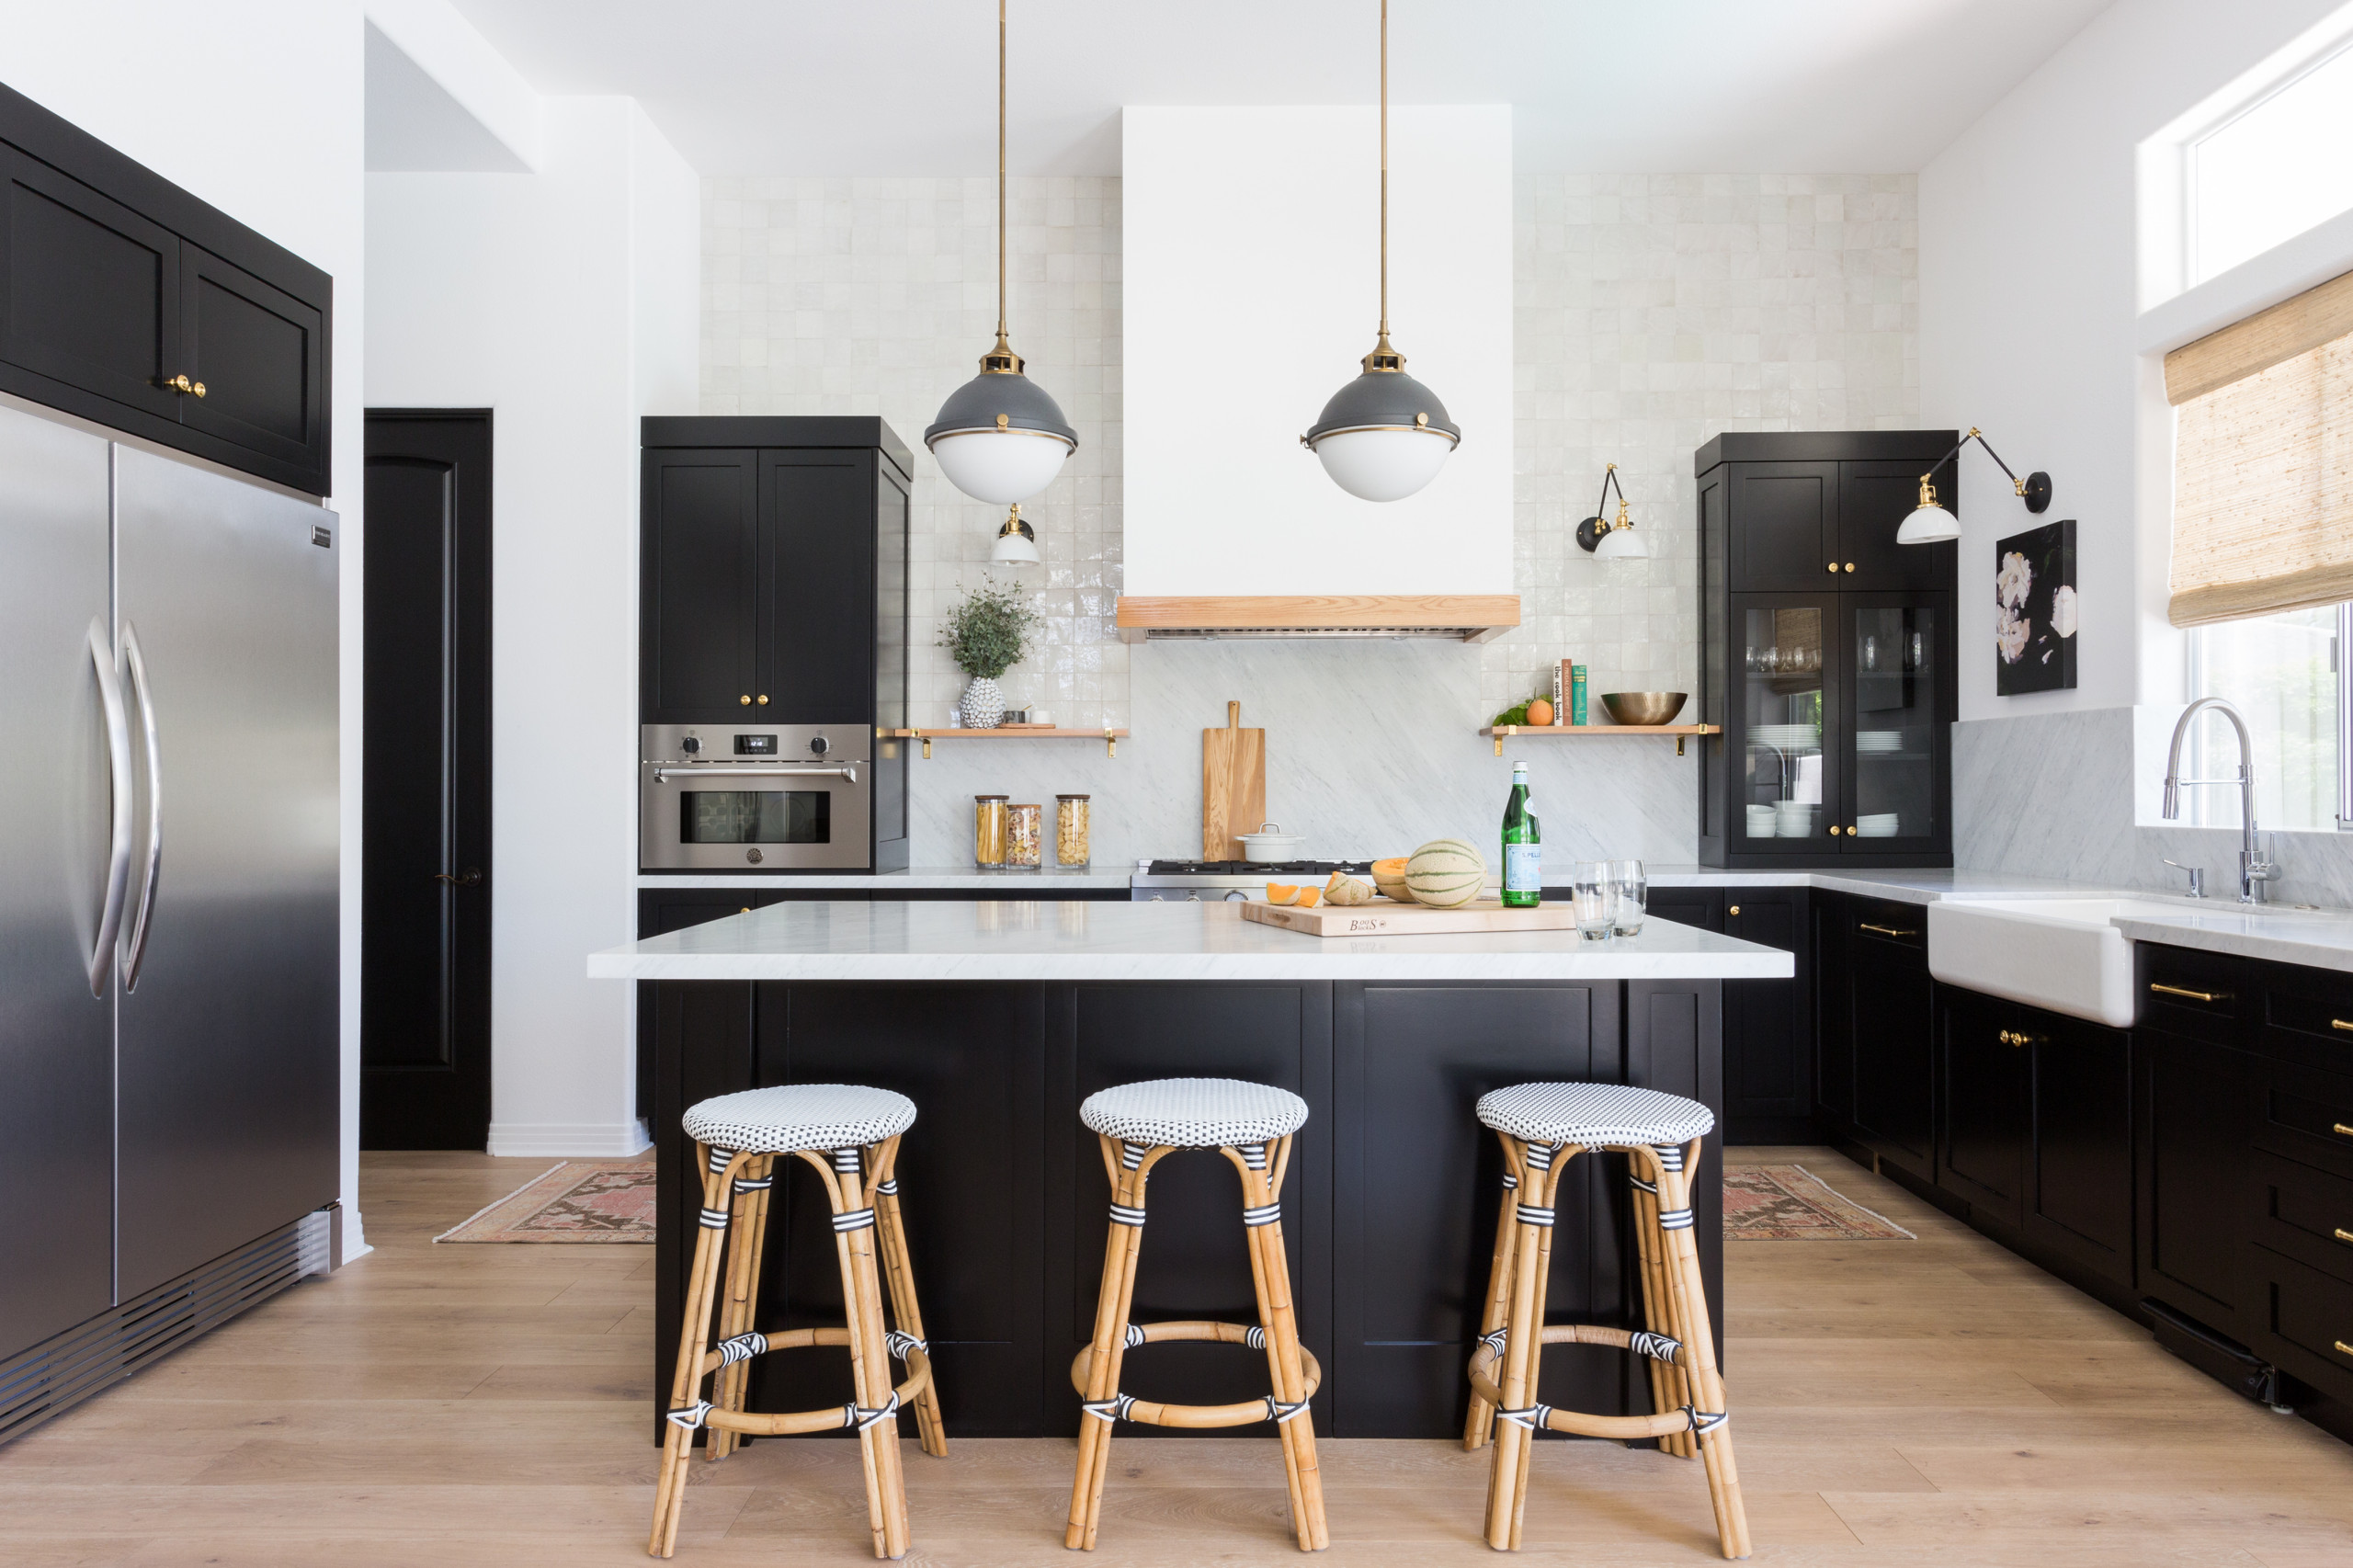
x=2314, y=950
x=623, y=964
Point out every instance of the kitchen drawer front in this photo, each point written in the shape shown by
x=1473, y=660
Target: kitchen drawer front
x=2310, y=1326
x=2305, y=1214
x=2202, y=994
x=1889, y=925
x=2305, y=1114
x=2304, y=1015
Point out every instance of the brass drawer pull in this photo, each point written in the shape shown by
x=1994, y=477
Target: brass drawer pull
x=2343, y=1235
x=2344, y=1023
x=1884, y=930
x=2344, y=1348
x=2343, y=1130
x=2193, y=995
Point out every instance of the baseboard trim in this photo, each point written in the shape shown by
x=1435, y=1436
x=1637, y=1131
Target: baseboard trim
x=569, y=1140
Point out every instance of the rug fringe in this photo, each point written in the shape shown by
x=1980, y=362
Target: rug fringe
x=496, y=1201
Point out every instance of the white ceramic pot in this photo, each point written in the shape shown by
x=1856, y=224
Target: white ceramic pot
x=984, y=704
x=1271, y=843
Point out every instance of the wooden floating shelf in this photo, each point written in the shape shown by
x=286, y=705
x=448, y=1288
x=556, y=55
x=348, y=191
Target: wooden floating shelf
x=1681, y=731
x=1110, y=738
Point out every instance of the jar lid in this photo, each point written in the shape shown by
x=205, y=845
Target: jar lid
x=991, y=796
x=1074, y=797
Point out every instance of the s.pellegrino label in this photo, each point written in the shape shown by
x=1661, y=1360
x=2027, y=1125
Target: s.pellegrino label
x=1523, y=846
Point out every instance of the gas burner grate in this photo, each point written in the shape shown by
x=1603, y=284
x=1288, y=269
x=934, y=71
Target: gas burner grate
x=1257, y=867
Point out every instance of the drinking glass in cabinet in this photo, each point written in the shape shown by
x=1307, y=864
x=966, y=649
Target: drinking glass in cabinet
x=1780, y=702
x=1894, y=724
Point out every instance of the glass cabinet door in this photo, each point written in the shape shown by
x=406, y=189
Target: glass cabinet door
x=1893, y=654
x=1786, y=787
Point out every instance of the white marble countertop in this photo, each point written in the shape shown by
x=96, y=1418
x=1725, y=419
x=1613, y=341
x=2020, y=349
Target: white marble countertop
x=1072, y=940
x=1045, y=880
x=2322, y=939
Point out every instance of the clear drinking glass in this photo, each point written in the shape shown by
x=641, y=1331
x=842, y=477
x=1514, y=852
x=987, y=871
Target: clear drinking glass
x=1631, y=891
x=1594, y=896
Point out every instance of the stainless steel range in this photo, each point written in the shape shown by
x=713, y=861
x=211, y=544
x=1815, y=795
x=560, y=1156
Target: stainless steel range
x=1234, y=881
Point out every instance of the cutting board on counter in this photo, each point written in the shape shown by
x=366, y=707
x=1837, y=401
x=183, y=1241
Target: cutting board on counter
x=1233, y=786
x=1381, y=918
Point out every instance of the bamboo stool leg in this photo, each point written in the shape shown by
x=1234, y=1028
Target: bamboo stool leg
x=739, y=1307
x=1699, y=1348
x=899, y=1272
x=1549, y=1182
x=878, y=1433
x=693, y=1337
x=1525, y=1328
x=1668, y=1388
x=1480, y=1422
x=1270, y=1275
x=1111, y=1306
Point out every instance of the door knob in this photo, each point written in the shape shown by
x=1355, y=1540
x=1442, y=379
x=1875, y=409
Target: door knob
x=470, y=878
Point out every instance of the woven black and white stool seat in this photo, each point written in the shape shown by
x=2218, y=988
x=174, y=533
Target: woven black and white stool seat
x=1607, y=1116
x=1194, y=1113
x=793, y=1116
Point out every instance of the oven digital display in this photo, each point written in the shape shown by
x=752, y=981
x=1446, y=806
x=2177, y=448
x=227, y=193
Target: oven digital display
x=757, y=745
x=755, y=816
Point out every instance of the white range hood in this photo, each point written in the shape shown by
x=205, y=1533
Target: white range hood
x=1250, y=289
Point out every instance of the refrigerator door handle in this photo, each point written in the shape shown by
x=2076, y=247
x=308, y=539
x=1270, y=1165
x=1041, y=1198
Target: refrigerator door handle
x=118, y=823
x=146, y=700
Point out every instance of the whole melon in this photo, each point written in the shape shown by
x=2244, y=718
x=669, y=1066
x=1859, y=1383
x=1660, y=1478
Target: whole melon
x=1446, y=873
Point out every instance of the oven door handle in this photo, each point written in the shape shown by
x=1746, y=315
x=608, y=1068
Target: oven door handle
x=662, y=775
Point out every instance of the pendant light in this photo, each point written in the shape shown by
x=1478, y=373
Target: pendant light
x=1931, y=524
x=999, y=437
x=1383, y=436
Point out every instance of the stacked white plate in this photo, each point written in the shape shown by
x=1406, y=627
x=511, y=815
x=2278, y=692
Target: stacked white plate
x=1794, y=819
x=1788, y=737
x=1882, y=825
x=1867, y=741
x=1760, y=822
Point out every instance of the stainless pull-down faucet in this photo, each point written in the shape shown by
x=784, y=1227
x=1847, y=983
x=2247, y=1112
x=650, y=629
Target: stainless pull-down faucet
x=2253, y=871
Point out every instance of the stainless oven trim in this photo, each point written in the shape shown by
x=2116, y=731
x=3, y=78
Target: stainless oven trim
x=659, y=848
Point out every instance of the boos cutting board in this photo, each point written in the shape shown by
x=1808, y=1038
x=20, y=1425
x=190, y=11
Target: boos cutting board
x=1381, y=918
x=1233, y=786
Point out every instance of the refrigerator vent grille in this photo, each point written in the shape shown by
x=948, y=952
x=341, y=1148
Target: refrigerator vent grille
x=62, y=1371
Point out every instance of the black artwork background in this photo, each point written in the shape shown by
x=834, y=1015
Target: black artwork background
x=2048, y=660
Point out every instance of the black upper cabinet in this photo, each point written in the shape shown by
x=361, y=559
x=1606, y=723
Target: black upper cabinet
x=773, y=574
x=1827, y=653
x=115, y=284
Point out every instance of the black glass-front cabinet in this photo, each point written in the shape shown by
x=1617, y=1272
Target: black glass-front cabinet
x=1827, y=653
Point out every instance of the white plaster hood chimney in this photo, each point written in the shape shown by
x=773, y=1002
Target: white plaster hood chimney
x=1250, y=285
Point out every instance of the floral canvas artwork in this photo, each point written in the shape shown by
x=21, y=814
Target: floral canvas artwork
x=2034, y=610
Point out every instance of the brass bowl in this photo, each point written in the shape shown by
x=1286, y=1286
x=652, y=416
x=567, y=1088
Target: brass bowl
x=1644, y=707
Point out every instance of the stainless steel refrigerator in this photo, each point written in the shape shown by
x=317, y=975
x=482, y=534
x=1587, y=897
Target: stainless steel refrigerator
x=168, y=910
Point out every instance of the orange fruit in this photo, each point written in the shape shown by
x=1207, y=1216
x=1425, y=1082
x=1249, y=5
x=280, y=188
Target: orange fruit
x=1281, y=892
x=1539, y=712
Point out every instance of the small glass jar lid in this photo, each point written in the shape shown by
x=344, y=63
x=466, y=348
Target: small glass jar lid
x=1074, y=797
x=991, y=796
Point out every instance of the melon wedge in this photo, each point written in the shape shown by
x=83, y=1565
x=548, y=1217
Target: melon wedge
x=1281, y=892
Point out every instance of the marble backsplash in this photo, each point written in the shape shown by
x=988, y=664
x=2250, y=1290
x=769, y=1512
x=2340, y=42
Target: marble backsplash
x=2077, y=795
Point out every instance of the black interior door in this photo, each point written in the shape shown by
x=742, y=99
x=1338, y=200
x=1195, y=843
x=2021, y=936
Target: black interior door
x=424, y=794
x=1784, y=519
x=94, y=293
x=1986, y=1106
x=817, y=547
x=698, y=572
x=260, y=355
x=1874, y=500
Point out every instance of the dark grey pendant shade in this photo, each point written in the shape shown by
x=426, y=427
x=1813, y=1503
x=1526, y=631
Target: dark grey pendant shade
x=1383, y=400
x=1000, y=400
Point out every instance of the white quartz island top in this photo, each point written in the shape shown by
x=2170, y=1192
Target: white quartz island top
x=823, y=940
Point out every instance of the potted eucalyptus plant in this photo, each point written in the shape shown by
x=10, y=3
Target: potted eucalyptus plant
x=986, y=632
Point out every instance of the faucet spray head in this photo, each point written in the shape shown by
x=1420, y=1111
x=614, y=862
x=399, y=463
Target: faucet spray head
x=2172, y=808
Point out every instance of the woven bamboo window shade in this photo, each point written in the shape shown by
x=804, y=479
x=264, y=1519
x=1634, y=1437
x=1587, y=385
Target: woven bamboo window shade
x=2263, y=461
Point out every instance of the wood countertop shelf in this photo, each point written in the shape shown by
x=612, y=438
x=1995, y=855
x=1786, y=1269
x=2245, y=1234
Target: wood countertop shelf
x=1110, y=737
x=1681, y=731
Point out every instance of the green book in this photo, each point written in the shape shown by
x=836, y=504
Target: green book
x=1576, y=694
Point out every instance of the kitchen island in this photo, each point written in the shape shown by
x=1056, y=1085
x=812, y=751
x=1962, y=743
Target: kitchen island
x=998, y=1018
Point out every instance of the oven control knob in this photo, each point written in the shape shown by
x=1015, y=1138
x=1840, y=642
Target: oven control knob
x=1237, y=896
x=817, y=745
x=754, y=855
x=1192, y=898
x=690, y=745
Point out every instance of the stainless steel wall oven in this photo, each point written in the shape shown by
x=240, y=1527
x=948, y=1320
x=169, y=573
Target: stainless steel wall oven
x=739, y=798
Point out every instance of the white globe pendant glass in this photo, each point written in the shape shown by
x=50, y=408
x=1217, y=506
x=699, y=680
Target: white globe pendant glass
x=1383, y=465
x=1000, y=467
x=1621, y=543
x=1931, y=524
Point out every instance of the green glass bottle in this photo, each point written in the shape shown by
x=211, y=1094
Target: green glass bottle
x=1523, y=846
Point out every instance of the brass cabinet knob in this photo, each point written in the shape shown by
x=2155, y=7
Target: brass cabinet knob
x=745, y=700
x=763, y=700
x=1834, y=830
x=1850, y=566
x=1833, y=567
x=1735, y=909
x=198, y=388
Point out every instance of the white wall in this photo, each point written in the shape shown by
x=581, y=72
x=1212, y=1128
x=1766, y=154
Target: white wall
x=562, y=301
x=256, y=106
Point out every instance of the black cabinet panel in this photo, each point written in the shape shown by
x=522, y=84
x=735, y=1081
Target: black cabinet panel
x=2191, y=1171
x=260, y=355
x=2305, y=1114
x=1874, y=500
x=1986, y=1106
x=701, y=556
x=2308, y=1323
x=1768, y=1055
x=2080, y=1192
x=1784, y=521
x=1886, y=961
x=93, y=289
x=2305, y=1214
x=816, y=578
x=1832, y=916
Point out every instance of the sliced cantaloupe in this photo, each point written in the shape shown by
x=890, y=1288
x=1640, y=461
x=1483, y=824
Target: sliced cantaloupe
x=1281, y=892
x=1388, y=877
x=1345, y=891
x=1310, y=897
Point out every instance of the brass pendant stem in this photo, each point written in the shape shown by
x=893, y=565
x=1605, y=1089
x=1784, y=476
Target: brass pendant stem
x=1000, y=175
x=1384, y=175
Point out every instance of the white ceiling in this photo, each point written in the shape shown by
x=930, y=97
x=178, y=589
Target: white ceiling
x=906, y=86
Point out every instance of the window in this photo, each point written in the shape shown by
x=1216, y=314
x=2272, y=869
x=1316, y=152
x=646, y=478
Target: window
x=2273, y=170
x=2281, y=672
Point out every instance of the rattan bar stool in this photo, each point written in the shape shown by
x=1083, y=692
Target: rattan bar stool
x=1250, y=1124
x=1544, y=1126
x=850, y=1136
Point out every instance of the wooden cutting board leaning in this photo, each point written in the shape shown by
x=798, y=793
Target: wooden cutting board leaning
x=1233, y=785
x=1383, y=919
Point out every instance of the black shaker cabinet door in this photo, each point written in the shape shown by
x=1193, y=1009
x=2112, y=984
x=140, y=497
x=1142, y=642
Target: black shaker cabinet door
x=2192, y=1167
x=1784, y=527
x=817, y=547
x=1874, y=500
x=260, y=356
x=1768, y=1066
x=2079, y=1201
x=1986, y=1106
x=698, y=660
x=94, y=295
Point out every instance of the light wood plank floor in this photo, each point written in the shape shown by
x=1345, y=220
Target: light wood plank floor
x=1929, y=1402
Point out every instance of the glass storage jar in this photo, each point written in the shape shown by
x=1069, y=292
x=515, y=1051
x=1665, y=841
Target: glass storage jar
x=1024, y=838
x=989, y=831
x=1071, y=847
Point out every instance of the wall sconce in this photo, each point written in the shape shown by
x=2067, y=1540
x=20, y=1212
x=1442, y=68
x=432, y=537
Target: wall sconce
x=1931, y=524
x=1611, y=540
x=1016, y=542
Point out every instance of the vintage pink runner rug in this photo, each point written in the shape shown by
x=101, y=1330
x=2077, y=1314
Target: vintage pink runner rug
x=579, y=1200
x=1790, y=1203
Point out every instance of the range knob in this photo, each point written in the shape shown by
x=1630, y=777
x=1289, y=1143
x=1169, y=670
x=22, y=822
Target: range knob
x=1237, y=896
x=690, y=745
x=818, y=746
